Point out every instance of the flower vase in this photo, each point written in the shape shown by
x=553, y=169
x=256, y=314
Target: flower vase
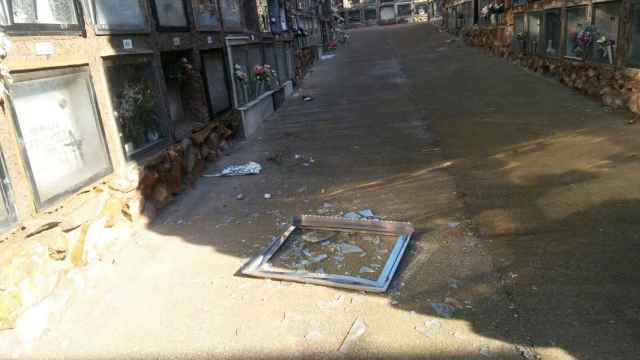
x=259, y=88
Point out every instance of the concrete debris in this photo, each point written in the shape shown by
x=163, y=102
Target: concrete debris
x=527, y=353
x=239, y=197
x=484, y=351
x=307, y=98
x=358, y=329
x=267, y=196
x=444, y=310
x=428, y=328
x=250, y=168
x=58, y=254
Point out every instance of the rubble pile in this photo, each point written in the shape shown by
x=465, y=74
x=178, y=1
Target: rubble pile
x=616, y=88
x=170, y=172
x=90, y=226
x=492, y=39
x=612, y=86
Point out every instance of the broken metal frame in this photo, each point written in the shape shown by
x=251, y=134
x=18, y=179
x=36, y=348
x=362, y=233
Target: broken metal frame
x=260, y=267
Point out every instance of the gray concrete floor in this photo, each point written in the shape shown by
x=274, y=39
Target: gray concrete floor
x=420, y=130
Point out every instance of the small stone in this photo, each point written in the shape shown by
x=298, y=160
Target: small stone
x=57, y=245
x=484, y=351
x=267, y=196
x=428, y=328
x=57, y=255
x=239, y=197
x=527, y=353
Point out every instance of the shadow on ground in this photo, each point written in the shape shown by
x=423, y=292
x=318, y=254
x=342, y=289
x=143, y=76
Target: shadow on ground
x=547, y=179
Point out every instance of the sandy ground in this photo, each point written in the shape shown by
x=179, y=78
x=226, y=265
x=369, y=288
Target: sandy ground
x=541, y=180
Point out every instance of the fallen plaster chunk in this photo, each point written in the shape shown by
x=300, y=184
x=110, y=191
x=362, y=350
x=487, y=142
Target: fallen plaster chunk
x=428, y=328
x=484, y=351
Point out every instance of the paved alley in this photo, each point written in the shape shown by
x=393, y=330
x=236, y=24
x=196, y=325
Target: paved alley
x=524, y=203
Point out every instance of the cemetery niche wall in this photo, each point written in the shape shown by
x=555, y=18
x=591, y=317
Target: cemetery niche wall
x=60, y=131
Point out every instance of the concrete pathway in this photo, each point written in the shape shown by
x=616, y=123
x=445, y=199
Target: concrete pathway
x=419, y=129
